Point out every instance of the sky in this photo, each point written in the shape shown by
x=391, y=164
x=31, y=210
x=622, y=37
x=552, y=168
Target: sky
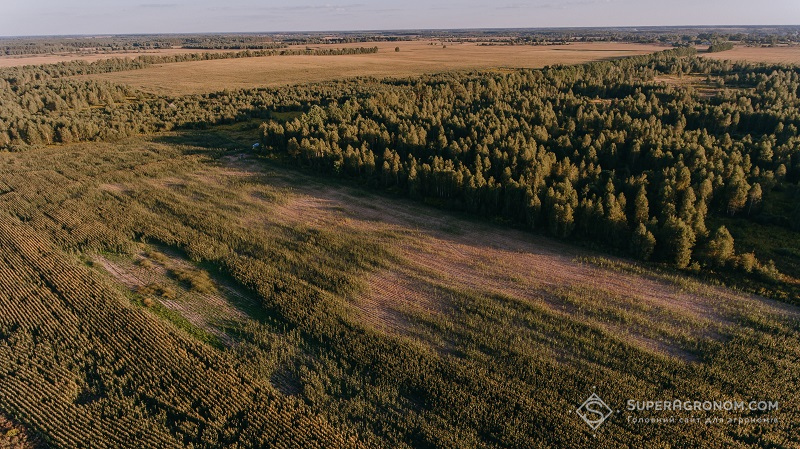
x=59, y=17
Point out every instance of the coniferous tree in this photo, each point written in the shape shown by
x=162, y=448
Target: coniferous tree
x=720, y=247
x=643, y=242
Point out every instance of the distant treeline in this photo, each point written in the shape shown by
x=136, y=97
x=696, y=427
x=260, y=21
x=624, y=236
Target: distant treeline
x=51, y=45
x=675, y=36
x=105, y=44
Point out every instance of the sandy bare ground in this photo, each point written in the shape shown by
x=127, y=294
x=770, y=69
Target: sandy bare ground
x=414, y=58
x=440, y=251
x=777, y=55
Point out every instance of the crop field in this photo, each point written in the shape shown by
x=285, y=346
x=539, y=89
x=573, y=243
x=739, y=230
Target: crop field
x=414, y=58
x=773, y=55
x=212, y=297
x=14, y=61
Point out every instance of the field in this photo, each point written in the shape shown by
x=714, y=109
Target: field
x=773, y=55
x=210, y=285
x=414, y=58
x=15, y=61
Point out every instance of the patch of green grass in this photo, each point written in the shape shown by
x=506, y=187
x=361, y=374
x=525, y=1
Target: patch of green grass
x=177, y=320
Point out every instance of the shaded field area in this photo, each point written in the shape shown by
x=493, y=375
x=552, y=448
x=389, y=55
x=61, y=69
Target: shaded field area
x=414, y=58
x=772, y=55
x=170, y=292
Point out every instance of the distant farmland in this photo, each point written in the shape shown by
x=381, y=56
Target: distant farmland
x=15, y=61
x=773, y=55
x=414, y=58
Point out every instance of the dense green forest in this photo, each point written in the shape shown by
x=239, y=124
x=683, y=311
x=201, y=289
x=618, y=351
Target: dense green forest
x=720, y=46
x=50, y=104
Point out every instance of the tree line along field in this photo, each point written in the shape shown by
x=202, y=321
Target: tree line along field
x=17, y=61
x=641, y=166
x=176, y=290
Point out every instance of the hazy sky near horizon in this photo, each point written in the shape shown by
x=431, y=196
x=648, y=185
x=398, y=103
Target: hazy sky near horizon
x=53, y=17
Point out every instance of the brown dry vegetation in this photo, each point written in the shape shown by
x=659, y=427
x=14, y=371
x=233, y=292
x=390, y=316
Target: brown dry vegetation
x=697, y=82
x=14, y=436
x=441, y=288
x=414, y=58
x=777, y=55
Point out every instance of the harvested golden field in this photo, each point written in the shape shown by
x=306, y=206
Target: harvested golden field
x=777, y=55
x=414, y=58
x=14, y=61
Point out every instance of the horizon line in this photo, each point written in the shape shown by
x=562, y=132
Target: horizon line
x=403, y=30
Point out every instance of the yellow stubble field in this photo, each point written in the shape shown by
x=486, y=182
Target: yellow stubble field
x=414, y=58
x=91, y=56
x=775, y=55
